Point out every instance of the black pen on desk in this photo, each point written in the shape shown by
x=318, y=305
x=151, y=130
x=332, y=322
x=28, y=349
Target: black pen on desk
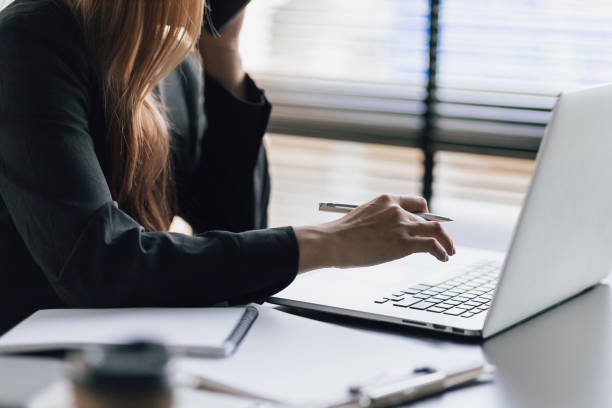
x=344, y=208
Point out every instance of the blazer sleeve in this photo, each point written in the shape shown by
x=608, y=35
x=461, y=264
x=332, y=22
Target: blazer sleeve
x=230, y=188
x=92, y=253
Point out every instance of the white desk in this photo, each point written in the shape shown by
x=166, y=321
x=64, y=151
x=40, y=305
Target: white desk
x=561, y=358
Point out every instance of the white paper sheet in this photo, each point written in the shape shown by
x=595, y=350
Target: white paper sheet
x=300, y=361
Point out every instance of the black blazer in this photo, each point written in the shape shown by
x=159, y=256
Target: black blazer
x=62, y=240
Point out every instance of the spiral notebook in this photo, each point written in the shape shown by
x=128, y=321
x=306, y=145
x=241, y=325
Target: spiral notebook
x=201, y=332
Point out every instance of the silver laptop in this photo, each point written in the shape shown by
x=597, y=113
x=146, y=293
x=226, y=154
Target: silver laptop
x=562, y=244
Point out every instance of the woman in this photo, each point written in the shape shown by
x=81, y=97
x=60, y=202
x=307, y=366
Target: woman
x=109, y=127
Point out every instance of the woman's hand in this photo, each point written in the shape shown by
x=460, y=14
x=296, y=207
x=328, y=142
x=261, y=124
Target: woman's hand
x=381, y=230
x=221, y=57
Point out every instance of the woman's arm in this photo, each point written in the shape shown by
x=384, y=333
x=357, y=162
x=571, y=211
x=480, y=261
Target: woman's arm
x=222, y=59
x=91, y=252
x=230, y=187
x=379, y=231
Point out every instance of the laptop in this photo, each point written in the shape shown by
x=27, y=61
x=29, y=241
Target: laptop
x=561, y=245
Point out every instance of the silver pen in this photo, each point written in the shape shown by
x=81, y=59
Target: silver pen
x=344, y=208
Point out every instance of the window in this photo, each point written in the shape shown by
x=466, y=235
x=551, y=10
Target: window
x=341, y=68
x=357, y=69
x=502, y=63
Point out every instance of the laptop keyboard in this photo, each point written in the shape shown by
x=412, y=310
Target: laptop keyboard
x=465, y=295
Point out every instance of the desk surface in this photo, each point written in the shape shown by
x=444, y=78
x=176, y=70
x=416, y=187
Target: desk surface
x=561, y=358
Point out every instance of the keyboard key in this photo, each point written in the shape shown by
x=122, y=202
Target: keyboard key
x=491, y=282
x=442, y=297
x=421, y=287
x=455, y=312
x=421, y=305
x=467, y=314
x=407, y=302
x=472, y=290
x=445, y=305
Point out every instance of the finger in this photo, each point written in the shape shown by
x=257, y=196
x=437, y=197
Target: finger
x=412, y=204
x=430, y=245
x=415, y=218
x=433, y=229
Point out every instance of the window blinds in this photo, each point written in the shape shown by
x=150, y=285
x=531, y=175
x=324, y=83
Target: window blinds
x=357, y=69
x=341, y=68
x=502, y=63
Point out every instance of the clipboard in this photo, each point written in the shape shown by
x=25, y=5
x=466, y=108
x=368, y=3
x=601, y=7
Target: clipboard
x=283, y=352
x=386, y=391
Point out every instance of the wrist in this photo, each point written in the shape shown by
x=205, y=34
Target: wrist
x=316, y=247
x=224, y=65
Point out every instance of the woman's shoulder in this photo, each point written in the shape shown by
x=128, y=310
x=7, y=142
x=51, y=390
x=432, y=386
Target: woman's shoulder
x=35, y=14
x=44, y=60
x=37, y=35
x=27, y=24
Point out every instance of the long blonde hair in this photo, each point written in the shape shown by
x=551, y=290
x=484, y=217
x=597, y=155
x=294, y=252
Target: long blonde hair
x=134, y=44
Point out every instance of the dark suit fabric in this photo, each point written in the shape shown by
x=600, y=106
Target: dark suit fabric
x=63, y=242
